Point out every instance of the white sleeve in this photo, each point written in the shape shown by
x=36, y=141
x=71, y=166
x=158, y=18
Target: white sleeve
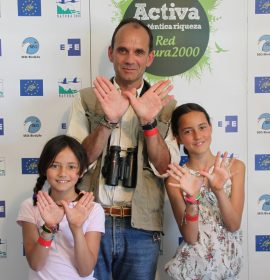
x=78, y=126
x=96, y=219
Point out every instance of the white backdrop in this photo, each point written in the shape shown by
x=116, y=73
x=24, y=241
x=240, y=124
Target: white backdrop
x=36, y=90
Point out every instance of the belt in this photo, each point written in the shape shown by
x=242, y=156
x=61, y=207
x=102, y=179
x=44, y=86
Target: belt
x=118, y=211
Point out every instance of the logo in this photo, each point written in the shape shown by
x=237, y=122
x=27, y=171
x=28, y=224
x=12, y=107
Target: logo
x=1, y=88
x=262, y=84
x=29, y=165
x=262, y=162
x=2, y=209
x=2, y=166
x=183, y=160
x=64, y=126
x=264, y=45
x=1, y=126
x=29, y=8
x=67, y=87
x=31, y=87
x=231, y=124
x=262, y=7
x=262, y=243
x=73, y=47
x=180, y=30
x=31, y=126
x=264, y=123
x=3, y=248
x=68, y=9
x=30, y=47
x=180, y=239
x=264, y=204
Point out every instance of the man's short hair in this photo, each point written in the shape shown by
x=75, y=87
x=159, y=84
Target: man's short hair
x=136, y=23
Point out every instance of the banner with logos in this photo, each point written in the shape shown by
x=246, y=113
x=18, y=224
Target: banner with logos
x=49, y=50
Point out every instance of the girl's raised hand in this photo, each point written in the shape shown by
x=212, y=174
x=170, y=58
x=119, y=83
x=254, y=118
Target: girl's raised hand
x=189, y=183
x=50, y=212
x=77, y=215
x=221, y=172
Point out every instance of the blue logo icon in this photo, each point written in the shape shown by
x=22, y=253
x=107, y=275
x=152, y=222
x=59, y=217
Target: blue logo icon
x=180, y=239
x=29, y=165
x=183, y=160
x=30, y=45
x=31, y=87
x=1, y=88
x=265, y=118
x=32, y=124
x=64, y=125
x=2, y=209
x=264, y=43
x=29, y=8
x=262, y=162
x=3, y=248
x=68, y=8
x=262, y=243
x=265, y=199
x=262, y=7
x=262, y=84
x=1, y=126
x=73, y=47
x=2, y=166
x=231, y=123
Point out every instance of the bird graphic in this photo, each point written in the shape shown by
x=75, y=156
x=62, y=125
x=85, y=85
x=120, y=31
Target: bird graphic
x=266, y=204
x=219, y=49
x=265, y=41
x=266, y=122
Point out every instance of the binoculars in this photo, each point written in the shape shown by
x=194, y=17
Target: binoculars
x=117, y=168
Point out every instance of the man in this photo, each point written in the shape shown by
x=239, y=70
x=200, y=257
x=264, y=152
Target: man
x=123, y=122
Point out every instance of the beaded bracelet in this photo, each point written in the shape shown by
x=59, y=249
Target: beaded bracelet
x=192, y=200
x=52, y=229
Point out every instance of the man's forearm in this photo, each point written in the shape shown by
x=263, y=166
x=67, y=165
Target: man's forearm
x=95, y=142
x=158, y=153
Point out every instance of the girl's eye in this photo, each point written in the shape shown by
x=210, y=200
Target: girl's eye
x=187, y=131
x=73, y=167
x=55, y=165
x=202, y=127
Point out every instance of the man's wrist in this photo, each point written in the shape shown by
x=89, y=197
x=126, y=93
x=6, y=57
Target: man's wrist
x=108, y=124
x=150, y=125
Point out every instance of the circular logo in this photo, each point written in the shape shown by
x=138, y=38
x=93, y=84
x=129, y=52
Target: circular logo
x=30, y=45
x=32, y=124
x=180, y=31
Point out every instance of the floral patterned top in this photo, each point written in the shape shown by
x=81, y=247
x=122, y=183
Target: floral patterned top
x=217, y=254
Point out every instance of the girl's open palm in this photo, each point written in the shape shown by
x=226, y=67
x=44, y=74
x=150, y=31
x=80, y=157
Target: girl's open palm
x=221, y=172
x=50, y=212
x=187, y=182
x=77, y=215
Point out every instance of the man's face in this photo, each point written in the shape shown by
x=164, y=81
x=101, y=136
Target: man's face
x=130, y=55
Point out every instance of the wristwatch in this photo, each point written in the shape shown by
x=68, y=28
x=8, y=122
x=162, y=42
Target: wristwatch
x=107, y=124
x=150, y=126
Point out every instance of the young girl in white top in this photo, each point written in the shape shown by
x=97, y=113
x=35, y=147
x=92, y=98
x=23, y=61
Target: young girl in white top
x=207, y=199
x=62, y=227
